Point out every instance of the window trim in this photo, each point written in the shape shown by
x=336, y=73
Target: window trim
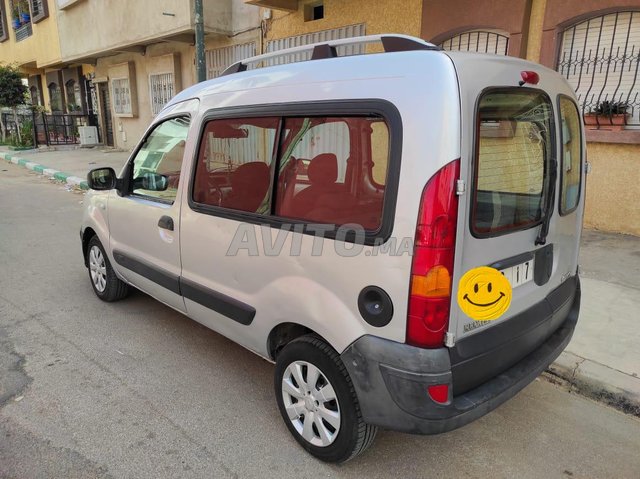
x=3, y=23
x=127, y=176
x=44, y=13
x=379, y=107
x=474, y=163
x=561, y=154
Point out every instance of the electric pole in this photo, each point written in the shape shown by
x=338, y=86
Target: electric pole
x=201, y=69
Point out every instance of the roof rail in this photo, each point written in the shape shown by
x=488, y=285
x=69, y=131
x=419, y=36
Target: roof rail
x=390, y=43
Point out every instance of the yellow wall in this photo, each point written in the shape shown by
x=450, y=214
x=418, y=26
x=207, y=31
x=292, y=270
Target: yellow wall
x=613, y=188
x=40, y=49
x=536, y=23
x=381, y=16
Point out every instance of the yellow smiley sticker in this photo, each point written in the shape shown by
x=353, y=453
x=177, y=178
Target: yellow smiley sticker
x=484, y=293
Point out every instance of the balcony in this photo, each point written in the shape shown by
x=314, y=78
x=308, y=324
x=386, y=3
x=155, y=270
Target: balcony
x=25, y=31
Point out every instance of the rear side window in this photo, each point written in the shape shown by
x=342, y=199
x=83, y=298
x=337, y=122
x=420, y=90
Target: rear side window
x=571, y=161
x=333, y=170
x=233, y=169
x=513, y=151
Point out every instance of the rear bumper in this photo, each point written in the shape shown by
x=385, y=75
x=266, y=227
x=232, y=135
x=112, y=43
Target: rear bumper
x=391, y=378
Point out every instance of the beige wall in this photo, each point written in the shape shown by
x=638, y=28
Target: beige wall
x=381, y=16
x=88, y=28
x=613, y=188
x=39, y=50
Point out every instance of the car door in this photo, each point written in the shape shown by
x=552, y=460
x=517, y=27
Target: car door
x=144, y=215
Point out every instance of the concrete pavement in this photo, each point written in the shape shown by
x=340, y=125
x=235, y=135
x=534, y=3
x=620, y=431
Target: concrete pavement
x=603, y=359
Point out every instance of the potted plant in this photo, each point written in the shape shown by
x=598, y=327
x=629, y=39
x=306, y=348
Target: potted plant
x=15, y=17
x=612, y=115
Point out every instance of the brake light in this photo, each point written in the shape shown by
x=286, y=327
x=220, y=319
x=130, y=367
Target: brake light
x=432, y=264
x=529, y=77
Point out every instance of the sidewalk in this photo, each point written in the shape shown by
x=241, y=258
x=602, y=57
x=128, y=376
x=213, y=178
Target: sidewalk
x=603, y=359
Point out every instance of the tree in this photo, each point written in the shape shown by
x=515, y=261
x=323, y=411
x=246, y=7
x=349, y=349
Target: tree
x=12, y=94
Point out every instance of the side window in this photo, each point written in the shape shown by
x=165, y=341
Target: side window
x=332, y=170
x=233, y=169
x=514, y=147
x=156, y=166
x=571, y=160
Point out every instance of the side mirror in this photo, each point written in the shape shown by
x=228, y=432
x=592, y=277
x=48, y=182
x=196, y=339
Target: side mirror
x=151, y=182
x=102, y=179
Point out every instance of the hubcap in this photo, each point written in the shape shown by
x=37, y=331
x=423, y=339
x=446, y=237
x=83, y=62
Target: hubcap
x=311, y=403
x=98, y=269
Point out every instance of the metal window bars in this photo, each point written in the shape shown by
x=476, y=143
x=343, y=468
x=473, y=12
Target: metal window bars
x=600, y=57
x=480, y=41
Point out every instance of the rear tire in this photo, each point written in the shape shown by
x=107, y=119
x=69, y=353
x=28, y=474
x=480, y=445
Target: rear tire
x=318, y=402
x=107, y=286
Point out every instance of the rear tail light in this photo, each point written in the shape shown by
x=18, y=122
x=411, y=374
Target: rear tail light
x=433, y=255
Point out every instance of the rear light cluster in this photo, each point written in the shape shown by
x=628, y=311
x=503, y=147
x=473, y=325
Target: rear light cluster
x=433, y=255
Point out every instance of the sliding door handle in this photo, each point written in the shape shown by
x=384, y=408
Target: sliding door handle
x=166, y=222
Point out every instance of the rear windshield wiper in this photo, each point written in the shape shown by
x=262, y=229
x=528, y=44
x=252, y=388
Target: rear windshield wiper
x=548, y=207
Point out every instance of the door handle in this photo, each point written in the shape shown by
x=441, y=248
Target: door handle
x=166, y=222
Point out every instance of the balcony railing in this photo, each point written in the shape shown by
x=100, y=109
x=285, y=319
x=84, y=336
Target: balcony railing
x=25, y=31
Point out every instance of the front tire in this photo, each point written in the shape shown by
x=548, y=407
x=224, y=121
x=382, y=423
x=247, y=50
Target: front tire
x=107, y=286
x=318, y=403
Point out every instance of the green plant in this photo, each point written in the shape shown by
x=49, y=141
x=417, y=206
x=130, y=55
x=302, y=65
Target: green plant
x=13, y=92
x=610, y=108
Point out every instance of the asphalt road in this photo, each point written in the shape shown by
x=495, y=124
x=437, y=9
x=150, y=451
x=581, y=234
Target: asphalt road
x=134, y=389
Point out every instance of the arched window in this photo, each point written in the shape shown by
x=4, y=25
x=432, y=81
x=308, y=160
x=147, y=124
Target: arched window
x=600, y=57
x=35, y=95
x=55, y=98
x=481, y=41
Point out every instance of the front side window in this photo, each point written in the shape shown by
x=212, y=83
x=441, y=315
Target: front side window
x=157, y=164
x=514, y=149
x=571, y=161
x=233, y=169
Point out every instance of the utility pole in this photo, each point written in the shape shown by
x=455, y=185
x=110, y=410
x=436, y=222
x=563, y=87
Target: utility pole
x=201, y=69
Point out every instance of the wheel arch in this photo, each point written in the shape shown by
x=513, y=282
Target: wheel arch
x=283, y=333
x=87, y=234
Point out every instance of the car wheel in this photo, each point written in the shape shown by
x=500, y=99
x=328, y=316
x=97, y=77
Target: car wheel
x=105, y=283
x=318, y=403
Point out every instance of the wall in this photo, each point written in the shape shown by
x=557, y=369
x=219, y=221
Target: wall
x=612, y=188
x=96, y=26
x=442, y=19
x=381, y=16
x=39, y=50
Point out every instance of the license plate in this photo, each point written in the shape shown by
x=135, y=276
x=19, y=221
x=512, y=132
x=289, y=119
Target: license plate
x=519, y=274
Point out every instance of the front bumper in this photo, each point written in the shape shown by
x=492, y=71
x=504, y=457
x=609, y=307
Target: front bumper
x=391, y=378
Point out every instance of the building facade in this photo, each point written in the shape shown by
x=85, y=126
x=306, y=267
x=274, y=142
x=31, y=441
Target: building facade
x=118, y=62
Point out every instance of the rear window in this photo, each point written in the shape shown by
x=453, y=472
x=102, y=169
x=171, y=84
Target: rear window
x=571, y=164
x=514, y=148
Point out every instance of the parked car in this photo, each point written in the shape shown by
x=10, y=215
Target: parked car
x=398, y=232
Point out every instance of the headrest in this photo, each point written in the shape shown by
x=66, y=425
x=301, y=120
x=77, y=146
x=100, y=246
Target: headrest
x=255, y=173
x=323, y=169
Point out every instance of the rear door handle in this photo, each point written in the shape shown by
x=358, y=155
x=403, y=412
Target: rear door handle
x=166, y=222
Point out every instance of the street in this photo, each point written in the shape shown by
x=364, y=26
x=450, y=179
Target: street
x=134, y=389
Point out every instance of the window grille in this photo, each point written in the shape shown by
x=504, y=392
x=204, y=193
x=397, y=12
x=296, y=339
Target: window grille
x=3, y=23
x=480, y=41
x=121, y=96
x=161, y=90
x=600, y=58
x=220, y=58
x=39, y=10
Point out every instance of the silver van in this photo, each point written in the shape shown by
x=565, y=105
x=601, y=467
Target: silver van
x=398, y=231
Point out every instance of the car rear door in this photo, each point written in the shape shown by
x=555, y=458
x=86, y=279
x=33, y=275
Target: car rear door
x=511, y=222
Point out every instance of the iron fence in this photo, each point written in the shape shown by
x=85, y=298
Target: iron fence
x=480, y=41
x=600, y=57
x=60, y=129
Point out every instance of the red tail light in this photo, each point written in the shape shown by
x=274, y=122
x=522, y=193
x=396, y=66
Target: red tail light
x=433, y=255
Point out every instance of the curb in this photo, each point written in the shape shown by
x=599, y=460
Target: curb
x=73, y=181
x=598, y=382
